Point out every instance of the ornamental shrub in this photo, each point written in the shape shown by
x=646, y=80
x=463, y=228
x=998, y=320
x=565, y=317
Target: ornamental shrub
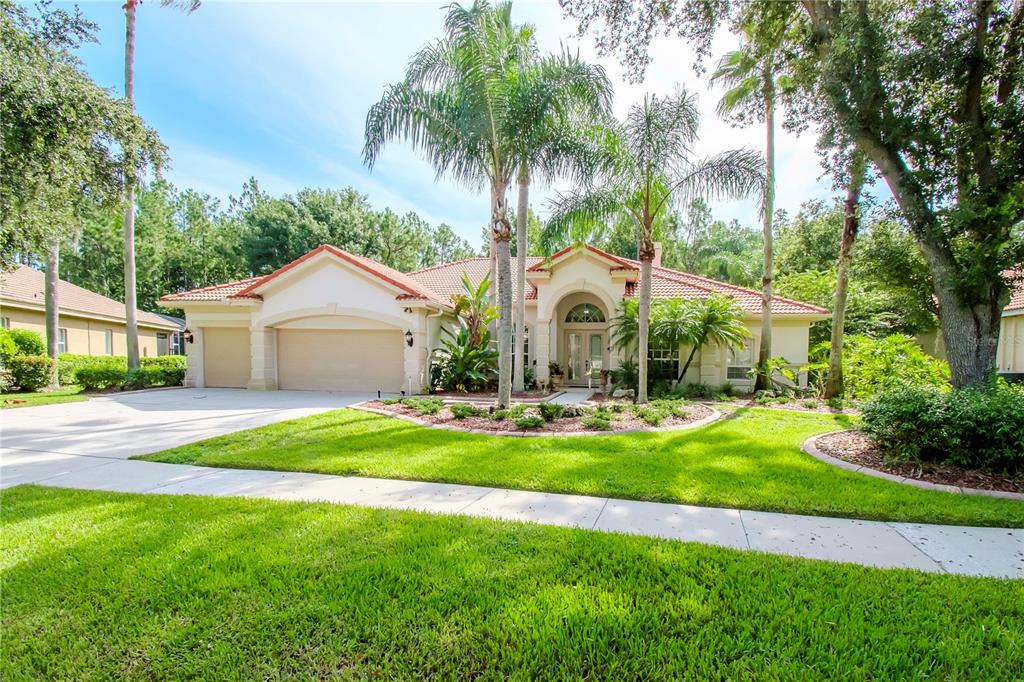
x=550, y=411
x=31, y=372
x=8, y=349
x=597, y=423
x=874, y=365
x=425, y=406
x=151, y=377
x=529, y=421
x=164, y=361
x=974, y=427
x=28, y=342
x=101, y=377
x=464, y=410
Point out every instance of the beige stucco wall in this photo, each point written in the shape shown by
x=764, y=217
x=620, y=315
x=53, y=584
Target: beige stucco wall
x=1010, y=355
x=84, y=336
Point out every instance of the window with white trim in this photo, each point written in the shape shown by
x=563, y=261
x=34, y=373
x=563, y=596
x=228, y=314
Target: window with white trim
x=108, y=341
x=663, y=361
x=5, y=322
x=62, y=340
x=739, y=362
x=584, y=313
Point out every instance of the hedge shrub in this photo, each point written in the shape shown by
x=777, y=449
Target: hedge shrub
x=105, y=376
x=973, y=427
x=30, y=372
x=28, y=342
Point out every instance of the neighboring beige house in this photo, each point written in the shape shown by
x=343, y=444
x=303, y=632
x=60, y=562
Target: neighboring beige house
x=88, y=323
x=1010, y=351
x=331, y=320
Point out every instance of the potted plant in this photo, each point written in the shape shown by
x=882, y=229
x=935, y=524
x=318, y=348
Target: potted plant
x=555, y=370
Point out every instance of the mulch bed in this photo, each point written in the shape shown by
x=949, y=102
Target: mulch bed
x=857, y=447
x=623, y=421
x=795, y=405
x=536, y=395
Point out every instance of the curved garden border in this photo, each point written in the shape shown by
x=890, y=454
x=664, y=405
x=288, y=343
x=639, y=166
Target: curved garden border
x=810, y=446
x=714, y=416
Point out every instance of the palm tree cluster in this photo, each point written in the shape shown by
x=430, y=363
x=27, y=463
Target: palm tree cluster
x=486, y=107
x=645, y=167
x=681, y=322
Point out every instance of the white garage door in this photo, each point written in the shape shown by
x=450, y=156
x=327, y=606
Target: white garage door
x=226, y=357
x=340, y=359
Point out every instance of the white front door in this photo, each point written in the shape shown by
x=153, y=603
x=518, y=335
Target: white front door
x=585, y=357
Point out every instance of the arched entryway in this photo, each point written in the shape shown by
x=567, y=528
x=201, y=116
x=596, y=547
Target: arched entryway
x=582, y=323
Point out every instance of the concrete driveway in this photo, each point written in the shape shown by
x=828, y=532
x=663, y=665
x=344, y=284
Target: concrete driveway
x=33, y=440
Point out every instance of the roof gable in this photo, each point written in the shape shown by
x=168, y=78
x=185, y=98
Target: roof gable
x=568, y=252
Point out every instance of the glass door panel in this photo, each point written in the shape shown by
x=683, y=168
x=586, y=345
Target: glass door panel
x=574, y=343
x=596, y=356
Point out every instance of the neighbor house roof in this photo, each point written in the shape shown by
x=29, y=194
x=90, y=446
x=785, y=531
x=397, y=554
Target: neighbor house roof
x=441, y=282
x=249, y=288
x=26, y=287
x=1017, y=297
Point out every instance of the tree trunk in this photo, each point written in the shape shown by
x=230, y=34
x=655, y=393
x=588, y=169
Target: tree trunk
x=689, y=360
x=131, y=323
x=763, y=381
x=851, y=224
x=52, y=307
x=502, y=231
x=646, y=255
x=518, y=366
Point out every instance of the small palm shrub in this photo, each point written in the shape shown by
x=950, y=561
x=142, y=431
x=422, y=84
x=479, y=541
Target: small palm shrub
x=972, y=427
x=550, y=411
x=529, y=421
x=596, y=422
x=464, y=410
x=464, y=364
x=649, y=414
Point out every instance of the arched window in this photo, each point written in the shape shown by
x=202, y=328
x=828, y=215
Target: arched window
x=585, y=312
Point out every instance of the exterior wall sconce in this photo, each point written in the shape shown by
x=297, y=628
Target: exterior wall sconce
x=187, y=335
x=408, y=338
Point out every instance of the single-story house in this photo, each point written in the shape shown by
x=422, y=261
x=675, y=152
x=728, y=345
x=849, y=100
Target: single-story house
x=88, y=323
x=332, y=320
x=1010, y=353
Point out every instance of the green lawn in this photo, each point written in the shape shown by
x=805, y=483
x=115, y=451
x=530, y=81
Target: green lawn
x=67, y=394
x=751, y=460
x=111, y=586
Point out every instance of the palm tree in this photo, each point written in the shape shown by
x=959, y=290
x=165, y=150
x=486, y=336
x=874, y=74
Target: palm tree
x=696, y=323
x=754, y=78
x=654, y=169
x=456, y=105
x=131, y=323
x=474, y=307
x=557, y=99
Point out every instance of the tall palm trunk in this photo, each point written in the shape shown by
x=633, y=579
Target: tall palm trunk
x=131, y=323
x=52, y=306
x=763, y=381
x=502, y=231
x=851, y=224
x=646, y=256
x=518, y=366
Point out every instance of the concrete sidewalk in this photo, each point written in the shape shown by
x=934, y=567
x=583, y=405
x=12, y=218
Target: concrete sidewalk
x=994, y=552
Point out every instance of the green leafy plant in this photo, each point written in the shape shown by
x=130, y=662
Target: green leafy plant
x=426, y=406
x=810, y=404
x=972, y=427
x=597, y=423
x=529, y=421
x=464, y=364
x=650, y=414
x=550, y=411
x=499, y=415
x=465, y=410
x=27, y=341
x=30, y=372
x=475, y=307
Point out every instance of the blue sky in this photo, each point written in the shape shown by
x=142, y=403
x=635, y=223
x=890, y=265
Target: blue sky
x=280, y=90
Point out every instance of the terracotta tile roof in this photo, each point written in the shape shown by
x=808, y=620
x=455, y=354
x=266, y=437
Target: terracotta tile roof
x=27, y=285
x=446, y=279
x=441, y=282
x=623, y=263
x=247, y=288
x=217, y=292
x=1017, y=297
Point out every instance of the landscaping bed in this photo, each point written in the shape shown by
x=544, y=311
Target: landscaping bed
x=547, y=418
x=857, y=447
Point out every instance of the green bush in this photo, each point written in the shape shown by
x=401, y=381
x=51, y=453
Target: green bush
x=68, y=365
x=529, y=421
x=8, y=349
x=28, y=342
x=517, y=410
x=150, y=377
x=499, y=415
x=597, y=423
x=693, y=391
x=550, y=411
x=871, y=365
x=463, y=410
x=100, y=377
x=649, y=414
x=973, y=427
x=164, y=361
x=31, y=372
x=424, y=405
